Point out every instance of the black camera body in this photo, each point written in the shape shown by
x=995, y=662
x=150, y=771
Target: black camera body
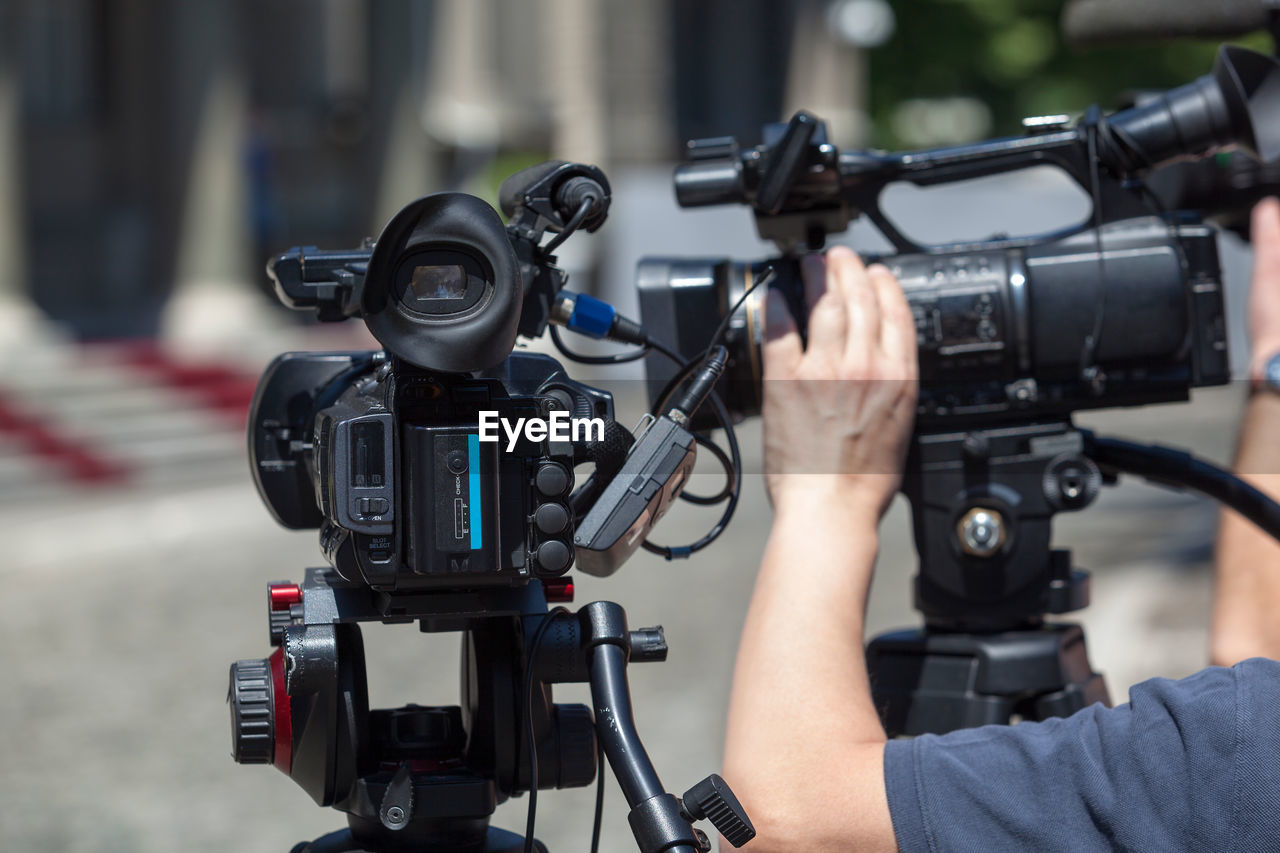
x=1001, y=329
x=390, y=462
x=399, y=457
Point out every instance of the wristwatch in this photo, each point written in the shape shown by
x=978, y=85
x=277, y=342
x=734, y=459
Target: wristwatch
x=1270, y=378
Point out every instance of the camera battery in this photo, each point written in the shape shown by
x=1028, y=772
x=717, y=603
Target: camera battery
x=451, y=502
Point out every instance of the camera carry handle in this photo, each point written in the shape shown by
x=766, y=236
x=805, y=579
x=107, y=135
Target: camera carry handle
x=801, y=187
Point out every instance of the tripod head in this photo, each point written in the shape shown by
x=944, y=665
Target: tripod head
x=983, y=501
x=427, y=778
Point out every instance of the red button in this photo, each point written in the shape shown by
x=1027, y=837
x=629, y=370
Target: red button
x=282, y=596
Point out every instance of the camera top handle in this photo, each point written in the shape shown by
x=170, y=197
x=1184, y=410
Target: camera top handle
x=803, y=188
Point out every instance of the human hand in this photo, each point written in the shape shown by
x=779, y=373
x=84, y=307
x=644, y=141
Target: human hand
x=1264, y=288
x=838, y=413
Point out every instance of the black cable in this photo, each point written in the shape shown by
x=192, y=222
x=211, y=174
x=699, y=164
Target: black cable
x=1089, y=354
x=689, y=365
x=725, y=463
x=1179, y=243
x=1116, y=145
x=731, y=475
x=668, y=391
x=659, y=347
x=530, y=742
x=735, y=455
x=762, y=281
x=570, y=226
x=733, y=464
x=335, y=387
x=1179, y=468
x=705, y=441
x=733, y=471
x=599, y=819
x=583, y=358
x=1101, y=133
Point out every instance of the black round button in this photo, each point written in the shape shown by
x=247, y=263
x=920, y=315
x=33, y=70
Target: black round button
x=553, y=556
x=551, y=518
x=552, y=480
x=457, y=461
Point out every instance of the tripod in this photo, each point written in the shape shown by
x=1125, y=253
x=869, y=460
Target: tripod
x=428, y=778
x=982, y=502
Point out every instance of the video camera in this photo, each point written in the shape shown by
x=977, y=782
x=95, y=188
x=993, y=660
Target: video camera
x=1125, y=309
x=1014, y=334
x=429, y=512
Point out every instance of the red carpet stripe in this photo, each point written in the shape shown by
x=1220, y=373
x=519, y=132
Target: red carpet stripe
x=69, y=458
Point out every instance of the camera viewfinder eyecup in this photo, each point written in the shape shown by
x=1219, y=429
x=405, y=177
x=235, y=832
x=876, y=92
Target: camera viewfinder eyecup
x=443, y=288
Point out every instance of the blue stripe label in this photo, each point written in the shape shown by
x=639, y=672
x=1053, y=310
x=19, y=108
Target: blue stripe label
x=473, y=490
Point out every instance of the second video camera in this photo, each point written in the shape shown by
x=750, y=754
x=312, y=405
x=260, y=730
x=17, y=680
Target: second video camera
x=1125, y=309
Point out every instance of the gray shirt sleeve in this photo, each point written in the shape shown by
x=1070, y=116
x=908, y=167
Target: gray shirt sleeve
x=1184, y=765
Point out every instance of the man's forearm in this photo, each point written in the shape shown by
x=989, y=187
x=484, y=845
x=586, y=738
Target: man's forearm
x=801, y=718
x=1246, y=612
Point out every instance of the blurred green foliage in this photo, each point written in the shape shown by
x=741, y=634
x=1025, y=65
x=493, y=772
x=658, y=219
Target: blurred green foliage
x=1010, y=55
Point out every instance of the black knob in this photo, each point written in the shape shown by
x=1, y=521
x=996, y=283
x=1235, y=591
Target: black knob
x=277, y=621
x=552, y=479
x=713, y=800
x=554, y=556
x=252, y=735
x=551, y=518
x=575, y=732
x=1071, y=482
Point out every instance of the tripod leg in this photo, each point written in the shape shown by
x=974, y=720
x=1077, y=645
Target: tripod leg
x=1081, y=685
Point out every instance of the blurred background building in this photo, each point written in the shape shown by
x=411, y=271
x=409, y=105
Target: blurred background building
x=153, y=155
x=148, y=146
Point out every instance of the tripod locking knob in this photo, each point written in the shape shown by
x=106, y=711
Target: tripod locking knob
x=252, y=735
x=982, y=532
x=712, y=799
